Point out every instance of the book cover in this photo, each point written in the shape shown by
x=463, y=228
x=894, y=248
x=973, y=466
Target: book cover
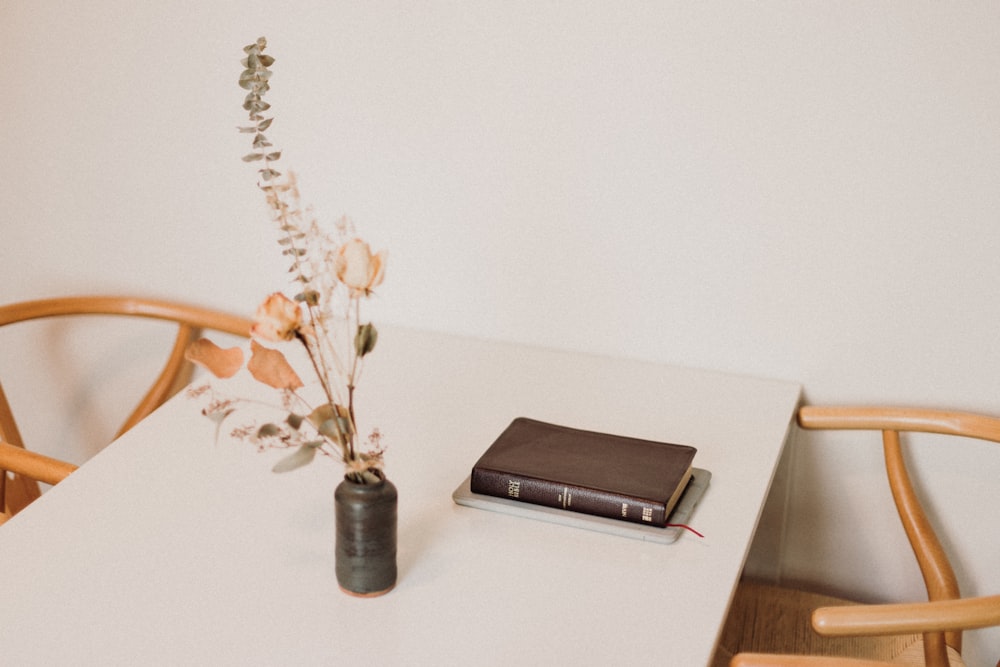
x=613, y=476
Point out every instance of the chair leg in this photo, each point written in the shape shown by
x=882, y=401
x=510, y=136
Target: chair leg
x=17, y=491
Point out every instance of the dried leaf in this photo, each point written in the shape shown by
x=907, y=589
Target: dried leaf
x=221, y=363
x=333, y=421
x=300, y=457
x=271, y=368
x=310, y=297
x=218, y=417
x=268, y=431
x=365, y=339
x=321, y=414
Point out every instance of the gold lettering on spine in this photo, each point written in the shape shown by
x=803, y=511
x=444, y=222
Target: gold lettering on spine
x=513, y=488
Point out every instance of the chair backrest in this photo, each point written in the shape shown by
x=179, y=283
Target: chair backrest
x=191, y=320
x=939, y=576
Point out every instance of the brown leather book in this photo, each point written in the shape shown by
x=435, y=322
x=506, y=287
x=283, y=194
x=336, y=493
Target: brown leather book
x=582, y=471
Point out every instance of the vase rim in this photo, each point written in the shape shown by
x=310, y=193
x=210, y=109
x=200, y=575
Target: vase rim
x=381, y=475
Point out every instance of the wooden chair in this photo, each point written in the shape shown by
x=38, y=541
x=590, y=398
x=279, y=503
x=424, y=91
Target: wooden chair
x=22, y=488
x=918, y=633
x=30, y=465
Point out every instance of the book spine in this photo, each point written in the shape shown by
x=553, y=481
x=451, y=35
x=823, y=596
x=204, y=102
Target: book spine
x=568, y=497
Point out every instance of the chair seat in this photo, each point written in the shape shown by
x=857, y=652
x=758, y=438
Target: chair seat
x=913, y=656
x=765, y=618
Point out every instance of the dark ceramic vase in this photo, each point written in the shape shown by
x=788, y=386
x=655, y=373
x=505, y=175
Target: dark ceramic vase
x=366, y=537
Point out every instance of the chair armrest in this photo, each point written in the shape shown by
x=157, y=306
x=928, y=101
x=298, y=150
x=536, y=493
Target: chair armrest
x=908, y=618
x=33, y=465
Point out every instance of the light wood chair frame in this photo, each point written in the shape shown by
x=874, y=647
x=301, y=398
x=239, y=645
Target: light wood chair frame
x=176, y=372
x=32, y=465
x=946, y=614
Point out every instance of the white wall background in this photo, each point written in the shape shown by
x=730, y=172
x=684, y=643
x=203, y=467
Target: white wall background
x=803, y=190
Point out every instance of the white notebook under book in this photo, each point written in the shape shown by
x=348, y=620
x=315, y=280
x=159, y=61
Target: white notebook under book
x=681, y=515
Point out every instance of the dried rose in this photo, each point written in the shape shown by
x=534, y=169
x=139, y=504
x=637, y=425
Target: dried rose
x=358, y=268
x=278, y=318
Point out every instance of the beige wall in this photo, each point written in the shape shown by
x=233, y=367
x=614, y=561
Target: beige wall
x=804, y=190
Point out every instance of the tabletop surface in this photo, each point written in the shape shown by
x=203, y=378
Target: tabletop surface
x=170, y=547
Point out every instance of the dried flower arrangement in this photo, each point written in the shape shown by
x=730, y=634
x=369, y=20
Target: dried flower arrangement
x=334, y=273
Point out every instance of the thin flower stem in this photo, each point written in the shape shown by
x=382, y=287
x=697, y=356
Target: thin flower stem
x=316, y=367
x=350, y=411
x=355, y=355
x=315, y=320
x=347, y=451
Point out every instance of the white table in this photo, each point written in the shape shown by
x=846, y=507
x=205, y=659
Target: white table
x=168, y=549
